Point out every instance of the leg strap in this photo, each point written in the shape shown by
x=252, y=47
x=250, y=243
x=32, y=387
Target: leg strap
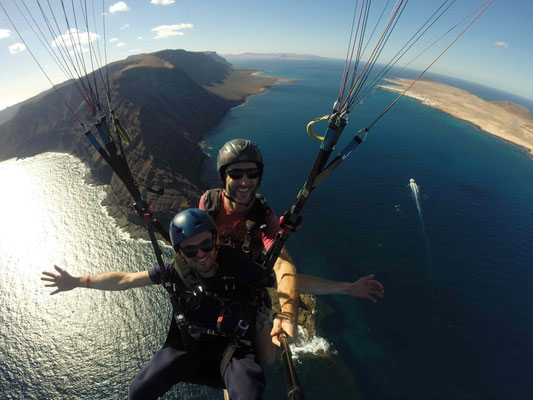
x=228, y=353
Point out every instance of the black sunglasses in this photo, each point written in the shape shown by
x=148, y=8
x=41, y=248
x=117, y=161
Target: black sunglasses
x=206, y=246
x=237, y=173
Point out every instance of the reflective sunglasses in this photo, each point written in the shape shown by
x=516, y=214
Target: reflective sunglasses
x=206, y=246
x=237, y=173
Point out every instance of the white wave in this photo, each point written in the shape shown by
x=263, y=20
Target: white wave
x=306, y=345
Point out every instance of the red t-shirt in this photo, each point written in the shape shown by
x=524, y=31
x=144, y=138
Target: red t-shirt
x=232, y=224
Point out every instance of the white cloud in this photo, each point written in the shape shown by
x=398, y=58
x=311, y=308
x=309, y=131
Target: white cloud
x=500, y=44
x=16, y=48
x=139, y=37
x=117, y=7
x=4, y=33
x=164, y=31
x=113, y=40
x=162, y=2
x=75, y=39
x=125, y=26
x=121, y=44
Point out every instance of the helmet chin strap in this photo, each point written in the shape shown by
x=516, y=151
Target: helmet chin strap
x=232, y=199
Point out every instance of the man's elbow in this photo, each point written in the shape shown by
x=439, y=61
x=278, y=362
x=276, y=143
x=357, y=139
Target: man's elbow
x=284, y=267
x=127, y=281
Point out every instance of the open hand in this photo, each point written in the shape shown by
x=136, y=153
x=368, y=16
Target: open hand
x=365, y=287
x=62, y=281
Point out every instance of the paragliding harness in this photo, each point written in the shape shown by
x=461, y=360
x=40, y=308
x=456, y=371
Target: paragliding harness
x=188, y=294
x=256, y=218
x=241, y=333
x=196, y=293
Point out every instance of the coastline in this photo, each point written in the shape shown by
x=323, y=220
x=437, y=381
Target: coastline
x=508, y=121
x=239, y=84
x=237, y=87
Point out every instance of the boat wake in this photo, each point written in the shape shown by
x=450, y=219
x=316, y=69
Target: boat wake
x=416, y=196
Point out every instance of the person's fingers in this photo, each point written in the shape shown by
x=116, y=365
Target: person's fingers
x=54, y=292
x=49, y=274
x=50, y=285
x=47, y=279
x=376, y=290
x=58, y=269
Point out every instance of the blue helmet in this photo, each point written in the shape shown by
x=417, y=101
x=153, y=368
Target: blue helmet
x=188, y=223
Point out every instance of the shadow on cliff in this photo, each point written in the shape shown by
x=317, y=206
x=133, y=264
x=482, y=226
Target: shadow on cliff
x=162, y=100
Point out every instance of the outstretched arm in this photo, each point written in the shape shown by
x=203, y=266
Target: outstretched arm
x=64, y=282
x=289, y=294
x=365, y=287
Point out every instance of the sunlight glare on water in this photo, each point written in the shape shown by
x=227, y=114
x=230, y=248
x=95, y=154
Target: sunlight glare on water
x=84, y=343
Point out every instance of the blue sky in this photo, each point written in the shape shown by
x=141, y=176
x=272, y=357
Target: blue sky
x=495, y=51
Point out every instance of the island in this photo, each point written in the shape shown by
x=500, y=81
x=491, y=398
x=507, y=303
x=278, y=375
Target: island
x=506, y=120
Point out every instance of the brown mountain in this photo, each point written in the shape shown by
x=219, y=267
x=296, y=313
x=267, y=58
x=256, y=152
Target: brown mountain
x=167, y=100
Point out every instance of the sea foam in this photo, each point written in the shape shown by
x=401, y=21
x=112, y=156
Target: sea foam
x=305, y=344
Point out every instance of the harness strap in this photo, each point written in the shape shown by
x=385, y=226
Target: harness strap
x=250, y=225
x=226, y=358
x=257, y=217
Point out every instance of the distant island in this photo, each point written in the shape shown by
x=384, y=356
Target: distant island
x=504, y=119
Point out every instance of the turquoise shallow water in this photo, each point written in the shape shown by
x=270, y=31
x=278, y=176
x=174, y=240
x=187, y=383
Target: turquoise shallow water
x=453, y=326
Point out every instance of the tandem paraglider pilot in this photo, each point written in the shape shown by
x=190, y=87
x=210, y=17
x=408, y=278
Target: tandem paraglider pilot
x=212, y=335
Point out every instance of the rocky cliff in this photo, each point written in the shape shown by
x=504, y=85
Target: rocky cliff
x=167, y=100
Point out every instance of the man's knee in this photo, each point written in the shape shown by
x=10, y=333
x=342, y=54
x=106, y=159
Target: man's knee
x=244, y=378
x=137, y=390
x=166, y=368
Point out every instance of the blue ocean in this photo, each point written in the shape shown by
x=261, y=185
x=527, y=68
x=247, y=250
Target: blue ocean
x=454, y=255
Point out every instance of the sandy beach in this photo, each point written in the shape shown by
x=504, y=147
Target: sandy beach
x=504, y=119
x=240, y=84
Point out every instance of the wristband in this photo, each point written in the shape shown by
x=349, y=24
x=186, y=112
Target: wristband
x=87, y=280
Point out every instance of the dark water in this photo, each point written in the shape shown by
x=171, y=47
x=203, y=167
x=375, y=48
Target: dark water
x=457, y=325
